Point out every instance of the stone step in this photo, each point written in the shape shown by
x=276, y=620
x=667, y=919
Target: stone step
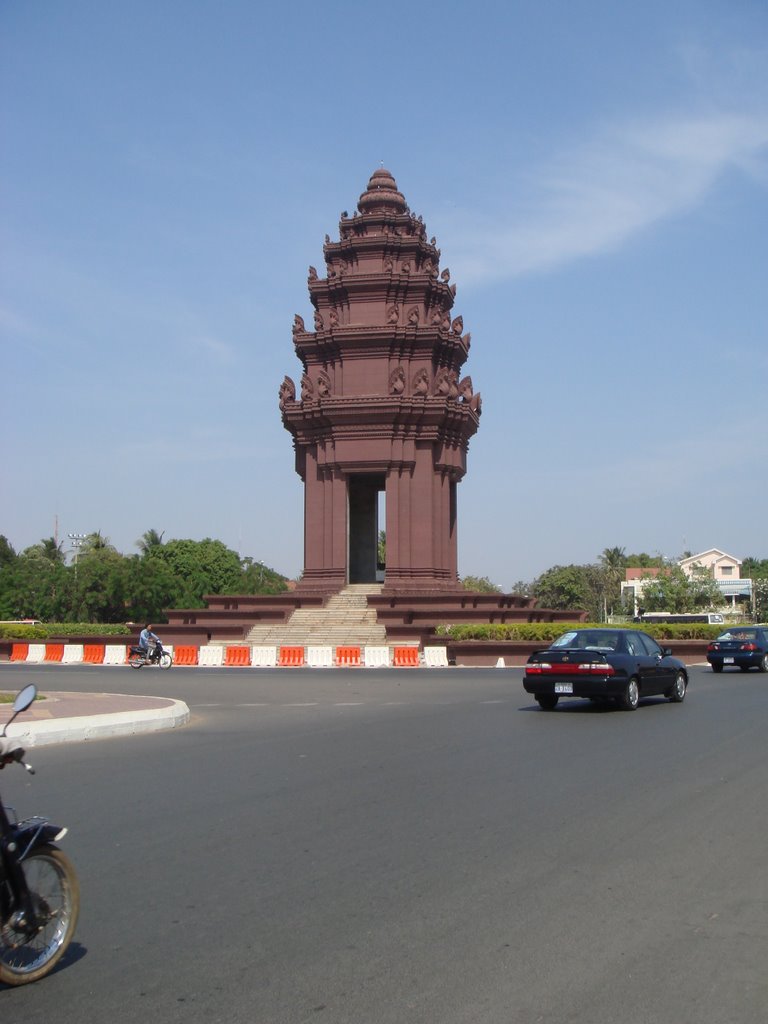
x=345, y=618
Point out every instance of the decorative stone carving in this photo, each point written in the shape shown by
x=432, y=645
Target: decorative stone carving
x=458, y=325
x=287, y=392
x=413, y=316
x=319, y=325
x=397, y=381
x=421, y=382
x=307, y=388
x=437, y=318
x=312, y=273
x=406, y=267
x=465, y=389
x=333, y=316
x=389, y=265
x=476, y=404
x=452, y=290
x=442, y=384
x=393, y=314
x=323, y=385
x=446, y=275
x=298, y=324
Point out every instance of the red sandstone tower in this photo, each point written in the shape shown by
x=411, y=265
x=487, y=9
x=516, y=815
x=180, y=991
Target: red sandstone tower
x=381, y=406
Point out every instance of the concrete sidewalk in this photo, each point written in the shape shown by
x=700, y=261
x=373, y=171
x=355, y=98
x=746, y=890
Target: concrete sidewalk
x=75, y=717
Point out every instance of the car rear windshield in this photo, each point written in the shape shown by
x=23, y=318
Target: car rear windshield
x=738, y=634
x=589, y=640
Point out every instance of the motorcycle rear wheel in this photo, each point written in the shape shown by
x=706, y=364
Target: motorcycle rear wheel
x=56, y=897
x=136, y=660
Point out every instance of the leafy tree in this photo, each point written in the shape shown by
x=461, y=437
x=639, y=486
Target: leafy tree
x=754, y=568
x=100, y=591
x=674, y=591
x=644, y=561
x=258, y=578
x=480, y=585
x=201, y=567
x=577, y=587
x=7, y=553
x=522, y=587
x=34, y=587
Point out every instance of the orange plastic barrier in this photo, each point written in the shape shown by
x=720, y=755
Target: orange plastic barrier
x=54, y=652
x=237, y=656
x=348, y=656
x=93, y=654
x=406, y=657
x=19, y=652
x=291, y=657
x=185, y=655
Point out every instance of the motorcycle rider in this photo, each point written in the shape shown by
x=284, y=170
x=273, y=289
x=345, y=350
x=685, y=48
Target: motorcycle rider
x=148, y=642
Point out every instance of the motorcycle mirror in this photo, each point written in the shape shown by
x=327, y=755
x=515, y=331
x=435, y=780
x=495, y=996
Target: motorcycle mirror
x=23, y=699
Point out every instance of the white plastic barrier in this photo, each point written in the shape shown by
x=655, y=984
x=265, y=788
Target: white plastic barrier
x=376, y=657
x=211, y=655
x=73, y=654
x=114, y=654
x=436, y=657
x=263, y=657
x=36, y=653
x=168, y=648
x=320, y=657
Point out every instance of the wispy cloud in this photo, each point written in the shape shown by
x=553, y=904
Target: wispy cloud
x=597, y=197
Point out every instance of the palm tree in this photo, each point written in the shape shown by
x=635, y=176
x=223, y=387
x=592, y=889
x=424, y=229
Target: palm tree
x=149, y=539
x=52, y=551
x=613, y=562
x=96, y=541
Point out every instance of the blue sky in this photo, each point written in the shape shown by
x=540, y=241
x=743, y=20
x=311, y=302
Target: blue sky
x=596, y=175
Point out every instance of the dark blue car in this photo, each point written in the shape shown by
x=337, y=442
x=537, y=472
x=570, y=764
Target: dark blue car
x=742, y=646
x=620, y=665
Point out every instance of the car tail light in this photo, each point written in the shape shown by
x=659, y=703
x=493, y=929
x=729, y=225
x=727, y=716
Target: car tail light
x=713, y=647
x=748, y=647
x=564, y=668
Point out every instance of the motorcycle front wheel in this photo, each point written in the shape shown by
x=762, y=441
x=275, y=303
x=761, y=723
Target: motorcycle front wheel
x=55, y=892
x=165, y=660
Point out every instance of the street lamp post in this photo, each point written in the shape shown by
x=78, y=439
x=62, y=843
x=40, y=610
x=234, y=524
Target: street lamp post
x=77, y=542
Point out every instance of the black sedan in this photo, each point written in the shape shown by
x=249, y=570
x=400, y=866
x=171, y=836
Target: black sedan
x=623, y=665
x=745, y=646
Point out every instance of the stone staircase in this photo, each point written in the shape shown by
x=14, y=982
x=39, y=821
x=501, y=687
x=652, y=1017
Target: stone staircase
x=345, y=619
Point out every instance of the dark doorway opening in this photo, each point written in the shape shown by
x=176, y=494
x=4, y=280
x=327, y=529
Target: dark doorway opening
x=364, y=490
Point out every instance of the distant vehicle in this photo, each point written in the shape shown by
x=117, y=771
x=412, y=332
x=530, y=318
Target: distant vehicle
x=621, y=665
x=713, y=618
x=742, y=646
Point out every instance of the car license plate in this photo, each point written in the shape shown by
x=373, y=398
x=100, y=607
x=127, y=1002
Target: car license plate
x=563, y=687
x=727, y=661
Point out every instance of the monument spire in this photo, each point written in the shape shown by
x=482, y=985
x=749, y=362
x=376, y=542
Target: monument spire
x=381, y=408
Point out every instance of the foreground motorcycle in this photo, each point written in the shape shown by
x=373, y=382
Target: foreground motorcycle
x=138, y=657
x=39, y=891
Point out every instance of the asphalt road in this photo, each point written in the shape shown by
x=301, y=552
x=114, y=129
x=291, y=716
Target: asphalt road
x=402, y=847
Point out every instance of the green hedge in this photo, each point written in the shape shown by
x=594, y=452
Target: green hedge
x=43, y=632
x=548, y=631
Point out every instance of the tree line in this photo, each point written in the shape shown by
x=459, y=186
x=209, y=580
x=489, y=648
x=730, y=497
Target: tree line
x=99, y=584
x=596, y=587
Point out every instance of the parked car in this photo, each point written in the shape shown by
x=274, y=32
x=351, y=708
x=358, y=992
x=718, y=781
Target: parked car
x=621, y=665
x=745, y=646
